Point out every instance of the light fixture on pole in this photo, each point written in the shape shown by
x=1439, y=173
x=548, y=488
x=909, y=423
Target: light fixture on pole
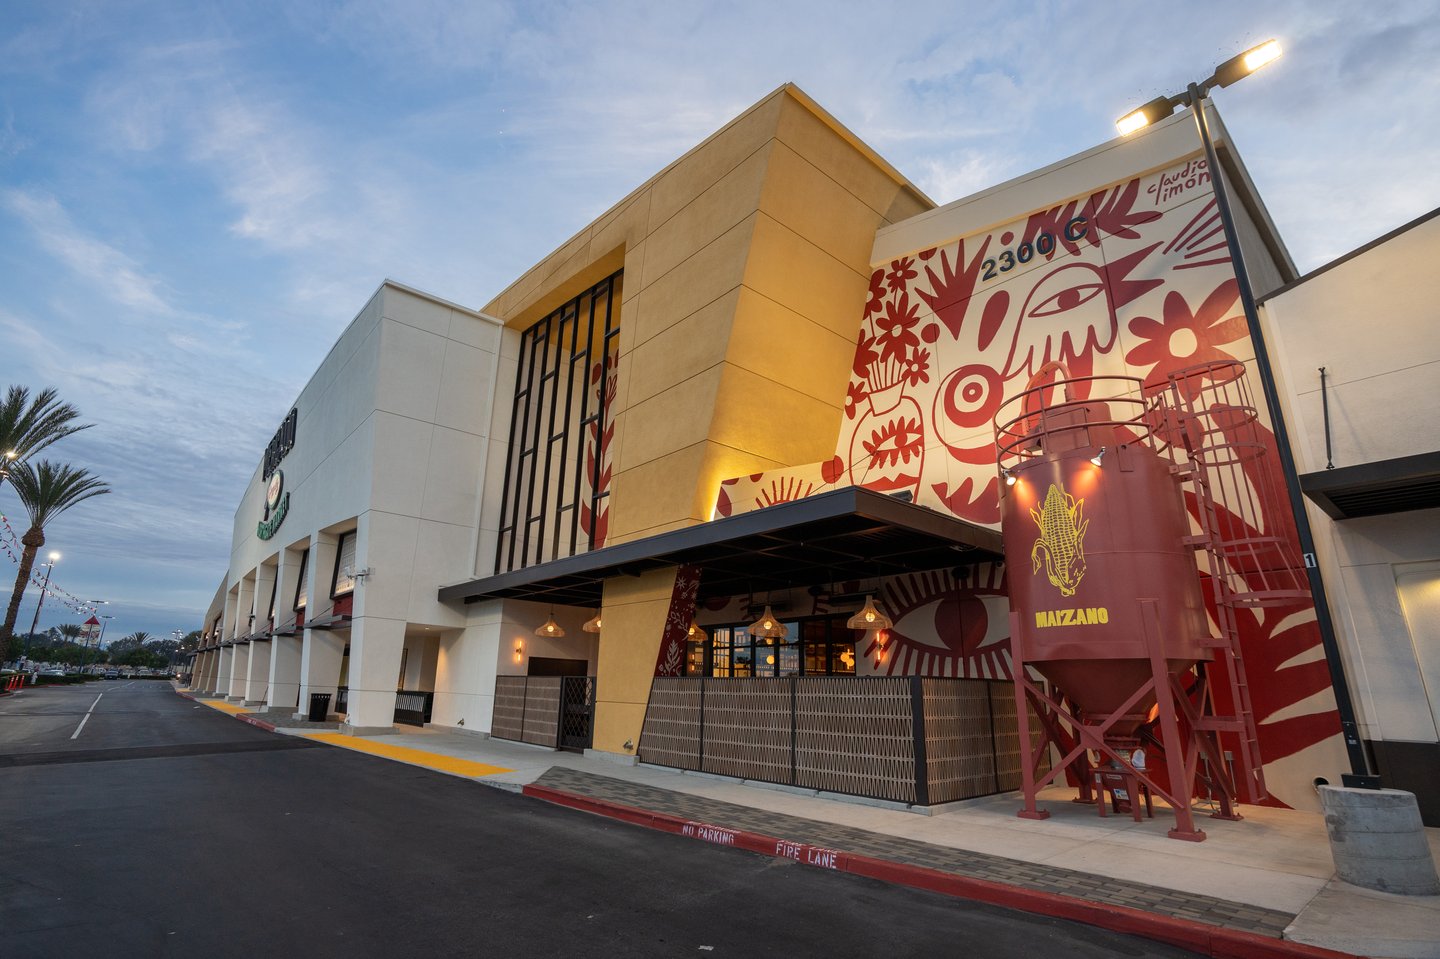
x=592, y=625
x=551, y=629
x=1194, y=97
x=870, y=618
x=35, y=620
x=7, y=462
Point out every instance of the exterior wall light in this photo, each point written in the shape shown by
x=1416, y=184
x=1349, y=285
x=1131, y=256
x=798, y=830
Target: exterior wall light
x=1098, y=457
x=1009, y=476
x=519, y=650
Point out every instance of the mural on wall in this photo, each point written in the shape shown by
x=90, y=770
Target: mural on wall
x=596, y=475
x=1134, y=279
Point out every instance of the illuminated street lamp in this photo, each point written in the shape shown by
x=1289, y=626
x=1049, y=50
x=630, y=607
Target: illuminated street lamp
x=49, y=568
x=7, y=462
x=1237, y=68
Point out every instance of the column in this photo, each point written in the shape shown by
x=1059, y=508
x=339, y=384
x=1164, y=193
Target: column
x=257, y=673
x=222, y=671
x=320, y=656
x=239, y=668
x=284, y=678
x=375, y=646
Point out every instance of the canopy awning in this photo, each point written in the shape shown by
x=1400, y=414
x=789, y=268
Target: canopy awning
x=1375, y=489
x=845, y=534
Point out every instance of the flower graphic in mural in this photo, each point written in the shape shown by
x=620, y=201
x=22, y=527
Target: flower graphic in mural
x=877, y=293
x=854, y=396
x=901, y=273
x=1185, y=337
x=917, y=368
x=897, y=337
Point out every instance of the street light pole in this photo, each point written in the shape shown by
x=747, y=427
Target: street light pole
x=49, y=568
x=1194, y=98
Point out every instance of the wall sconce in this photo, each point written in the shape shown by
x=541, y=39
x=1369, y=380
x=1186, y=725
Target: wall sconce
x=1098, y=457
x=1009, y=476
x=519, y=650
x=879, y=638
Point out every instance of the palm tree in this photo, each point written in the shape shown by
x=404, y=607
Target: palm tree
x=70, y=631
x=28, y=425
x=46, y=490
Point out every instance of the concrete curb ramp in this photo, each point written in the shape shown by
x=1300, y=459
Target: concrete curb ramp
x=1206, y=939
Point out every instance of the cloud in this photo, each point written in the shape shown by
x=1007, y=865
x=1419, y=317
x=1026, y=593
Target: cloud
x=110, y=270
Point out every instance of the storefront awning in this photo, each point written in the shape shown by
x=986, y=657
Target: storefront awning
x=1375, y=489
x=845, y=534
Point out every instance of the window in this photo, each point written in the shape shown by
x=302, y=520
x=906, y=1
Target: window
x=302, y=587
x=821, y=646
x=343, y=582
x=557, y=476
x=274, y=588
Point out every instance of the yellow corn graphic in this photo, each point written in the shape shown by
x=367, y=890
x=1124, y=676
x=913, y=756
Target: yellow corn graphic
x=1062, y=539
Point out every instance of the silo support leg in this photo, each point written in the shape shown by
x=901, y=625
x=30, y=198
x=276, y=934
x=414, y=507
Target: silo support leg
x=1180, y=759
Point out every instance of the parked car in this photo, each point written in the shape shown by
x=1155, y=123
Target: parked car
x=53, y=673
x=112, y=674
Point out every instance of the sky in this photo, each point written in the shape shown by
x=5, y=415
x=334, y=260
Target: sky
x=196, y=198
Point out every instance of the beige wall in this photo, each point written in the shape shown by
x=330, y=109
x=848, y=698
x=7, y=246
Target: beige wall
x=1369, y=321
x=746, y=263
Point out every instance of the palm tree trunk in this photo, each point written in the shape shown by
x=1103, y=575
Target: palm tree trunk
x=33, y=539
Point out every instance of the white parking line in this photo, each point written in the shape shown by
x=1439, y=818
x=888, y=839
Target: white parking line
x=86, y=718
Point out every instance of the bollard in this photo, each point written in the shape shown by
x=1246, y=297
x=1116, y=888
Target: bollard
x=1378, y=840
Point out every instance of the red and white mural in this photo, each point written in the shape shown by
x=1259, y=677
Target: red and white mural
x=595, y=478
x=1133, y=279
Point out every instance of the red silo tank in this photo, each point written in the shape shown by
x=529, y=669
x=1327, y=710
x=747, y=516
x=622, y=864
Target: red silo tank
x=1084, y=543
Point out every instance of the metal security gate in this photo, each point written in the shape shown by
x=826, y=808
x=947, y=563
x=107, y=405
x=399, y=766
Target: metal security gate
x=577, y=712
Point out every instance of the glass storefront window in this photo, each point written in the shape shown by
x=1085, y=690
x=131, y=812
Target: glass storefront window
x=812, y=647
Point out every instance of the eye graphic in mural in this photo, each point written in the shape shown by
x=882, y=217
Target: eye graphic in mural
x=946, y=626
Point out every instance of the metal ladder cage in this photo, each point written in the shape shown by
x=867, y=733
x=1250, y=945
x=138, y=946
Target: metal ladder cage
x=1255, y=557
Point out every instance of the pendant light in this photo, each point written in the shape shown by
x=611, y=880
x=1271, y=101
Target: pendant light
x=870, y=617
x=551, y=629
x=767, y=626
x=592, y=625
x=695, y=634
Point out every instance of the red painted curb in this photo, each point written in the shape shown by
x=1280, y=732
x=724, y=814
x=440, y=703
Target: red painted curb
x=1214, y=941
x=247, y=718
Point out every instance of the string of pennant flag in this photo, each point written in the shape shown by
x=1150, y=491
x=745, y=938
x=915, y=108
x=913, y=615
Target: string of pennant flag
x=11, y=545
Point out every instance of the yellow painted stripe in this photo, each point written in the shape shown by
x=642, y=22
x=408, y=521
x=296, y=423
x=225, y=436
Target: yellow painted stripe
x=231, y=708
x=417, y=757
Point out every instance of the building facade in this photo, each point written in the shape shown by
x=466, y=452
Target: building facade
x=761, y=386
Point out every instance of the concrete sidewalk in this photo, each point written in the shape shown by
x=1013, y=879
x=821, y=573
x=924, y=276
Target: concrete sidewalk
x=1264, y=886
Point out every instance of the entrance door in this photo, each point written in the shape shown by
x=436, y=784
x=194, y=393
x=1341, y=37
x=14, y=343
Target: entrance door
x=577, y=710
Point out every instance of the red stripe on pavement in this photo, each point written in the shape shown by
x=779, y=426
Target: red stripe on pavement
x=1214, y=941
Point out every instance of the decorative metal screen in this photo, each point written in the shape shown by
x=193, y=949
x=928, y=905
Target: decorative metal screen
x=544, y=710
x=557, y=477
x=902, y=738
x=508, y=718
x=855, y=736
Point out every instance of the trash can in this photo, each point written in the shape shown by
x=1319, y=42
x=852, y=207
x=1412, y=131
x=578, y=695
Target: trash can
x=319, y=707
